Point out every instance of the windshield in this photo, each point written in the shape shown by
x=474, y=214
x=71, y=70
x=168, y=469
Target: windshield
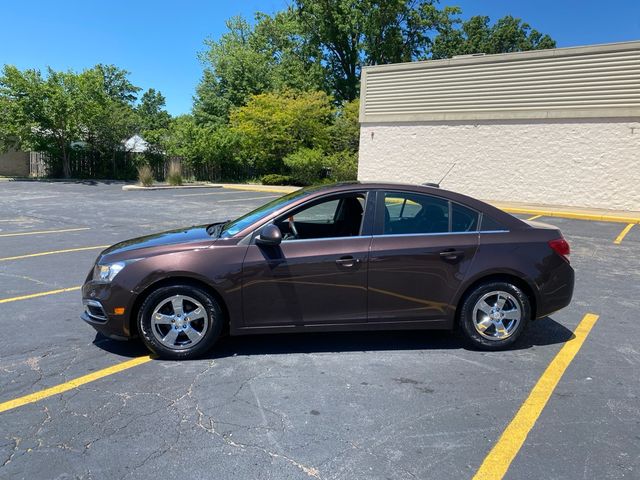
x=239, y=224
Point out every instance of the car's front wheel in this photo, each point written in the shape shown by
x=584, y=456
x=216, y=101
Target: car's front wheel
x=180, y=321
x=493, y=315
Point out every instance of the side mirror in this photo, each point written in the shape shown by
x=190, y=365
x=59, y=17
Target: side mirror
x=270, y=235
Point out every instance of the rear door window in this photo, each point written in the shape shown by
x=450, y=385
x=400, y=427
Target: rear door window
x=463, y=219
x=414, y=213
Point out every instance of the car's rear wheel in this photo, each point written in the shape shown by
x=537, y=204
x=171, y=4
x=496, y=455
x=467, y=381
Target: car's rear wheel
x=180, y=321
x=493, y=315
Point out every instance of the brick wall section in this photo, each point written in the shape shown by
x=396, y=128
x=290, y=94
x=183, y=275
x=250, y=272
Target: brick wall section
x=14, y=164
x=587, y=163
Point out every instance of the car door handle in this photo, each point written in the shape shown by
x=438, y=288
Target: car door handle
x=451, y=254
x=347, y=261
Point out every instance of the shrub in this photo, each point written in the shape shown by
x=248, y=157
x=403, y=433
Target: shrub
x=145, y=175
x=306, y=165
x=342, y=166
x=174, y=177
x=273, y=125
x=275, y=179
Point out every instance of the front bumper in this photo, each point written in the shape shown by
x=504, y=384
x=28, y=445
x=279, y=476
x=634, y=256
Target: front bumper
x=101, y=301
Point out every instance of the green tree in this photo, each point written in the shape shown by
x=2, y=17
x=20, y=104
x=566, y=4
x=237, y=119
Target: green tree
x=203, y=145
x=273, y=55
x=352, y=33
x=234, y=71
x=273, y=125
x=44, y=113
x=477, y=35
x=345, y=132
x=151, y=111
x=92, y=109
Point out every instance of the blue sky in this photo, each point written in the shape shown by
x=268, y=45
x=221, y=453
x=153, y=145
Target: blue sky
x=158, y=41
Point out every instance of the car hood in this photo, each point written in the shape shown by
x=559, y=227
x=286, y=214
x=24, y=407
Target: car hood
x=163, y=242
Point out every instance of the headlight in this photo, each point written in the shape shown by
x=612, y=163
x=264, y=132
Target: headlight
x=106, y=273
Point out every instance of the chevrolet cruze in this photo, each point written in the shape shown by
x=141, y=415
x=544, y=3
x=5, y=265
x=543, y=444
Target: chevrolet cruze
x=342, y=257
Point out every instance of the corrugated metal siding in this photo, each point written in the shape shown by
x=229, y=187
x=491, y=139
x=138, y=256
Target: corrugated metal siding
x=563, y=83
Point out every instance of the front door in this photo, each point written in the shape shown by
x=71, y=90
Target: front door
x=318, y=274
x=424, y=247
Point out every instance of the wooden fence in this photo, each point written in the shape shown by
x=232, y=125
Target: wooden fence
x=123, y=166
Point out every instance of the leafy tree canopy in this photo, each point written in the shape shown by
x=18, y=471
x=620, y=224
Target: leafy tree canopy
x=272, y=125
x=57, y=111
x=247, y=60
x=477, y=35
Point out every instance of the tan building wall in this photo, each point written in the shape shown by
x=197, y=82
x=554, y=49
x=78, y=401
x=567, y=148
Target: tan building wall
x=14, y=164
x=570, y=162
x=556, y=126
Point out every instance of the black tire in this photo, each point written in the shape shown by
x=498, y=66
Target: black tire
x=203, y=345
x=466, y=321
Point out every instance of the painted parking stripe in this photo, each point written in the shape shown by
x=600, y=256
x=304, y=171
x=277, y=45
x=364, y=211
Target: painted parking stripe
x=39, y=294
x=52, y=252
x=43, y=232
x=252, y=198
x=72, y=384
x=534, y=217
x=623, y=234
x=201, y=194
x=497, y=462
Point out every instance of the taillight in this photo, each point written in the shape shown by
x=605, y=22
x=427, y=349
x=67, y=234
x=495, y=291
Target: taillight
x=561, y=247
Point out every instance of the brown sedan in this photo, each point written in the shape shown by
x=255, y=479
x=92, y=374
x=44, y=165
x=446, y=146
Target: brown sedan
x=342, y=257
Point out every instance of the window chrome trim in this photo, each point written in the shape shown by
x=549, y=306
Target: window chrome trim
x=392, y=235
x=439, y=234
x=352, y=237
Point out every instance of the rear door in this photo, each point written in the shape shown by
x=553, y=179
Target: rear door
x=421, y=250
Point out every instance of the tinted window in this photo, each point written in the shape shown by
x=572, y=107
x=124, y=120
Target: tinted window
x=489, y=224
x=239, y=224
x=335, y=217
x=324, y=212
x=463, y=219
x=407, y=213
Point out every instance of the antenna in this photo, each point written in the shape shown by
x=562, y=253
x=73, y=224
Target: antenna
x=446, y=174
x=437, y=185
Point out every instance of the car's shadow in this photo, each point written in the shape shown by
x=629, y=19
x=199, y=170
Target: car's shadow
x=545, y=331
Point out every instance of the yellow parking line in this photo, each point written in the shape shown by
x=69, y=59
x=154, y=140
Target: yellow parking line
x=71, y=384
x=41, y=294
x=42, y=232
x=248, y=188
x=623, y=234
x=52, y=252
x=497, y=462
x=599, y=217
x=534, y=217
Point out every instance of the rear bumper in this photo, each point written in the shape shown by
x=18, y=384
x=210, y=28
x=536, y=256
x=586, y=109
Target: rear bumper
x=556, y=291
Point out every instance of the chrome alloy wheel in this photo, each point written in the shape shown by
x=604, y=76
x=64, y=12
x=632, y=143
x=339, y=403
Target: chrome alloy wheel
x=179, y=322
x=496, y=315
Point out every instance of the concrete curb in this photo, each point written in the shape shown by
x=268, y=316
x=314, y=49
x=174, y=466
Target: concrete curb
x=167, y=187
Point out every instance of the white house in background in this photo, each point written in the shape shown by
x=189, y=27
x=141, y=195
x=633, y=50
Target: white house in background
x=136, y=144
x=557, y=126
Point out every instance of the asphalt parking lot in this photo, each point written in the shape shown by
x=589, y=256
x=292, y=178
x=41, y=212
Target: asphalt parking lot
x=382, y=405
